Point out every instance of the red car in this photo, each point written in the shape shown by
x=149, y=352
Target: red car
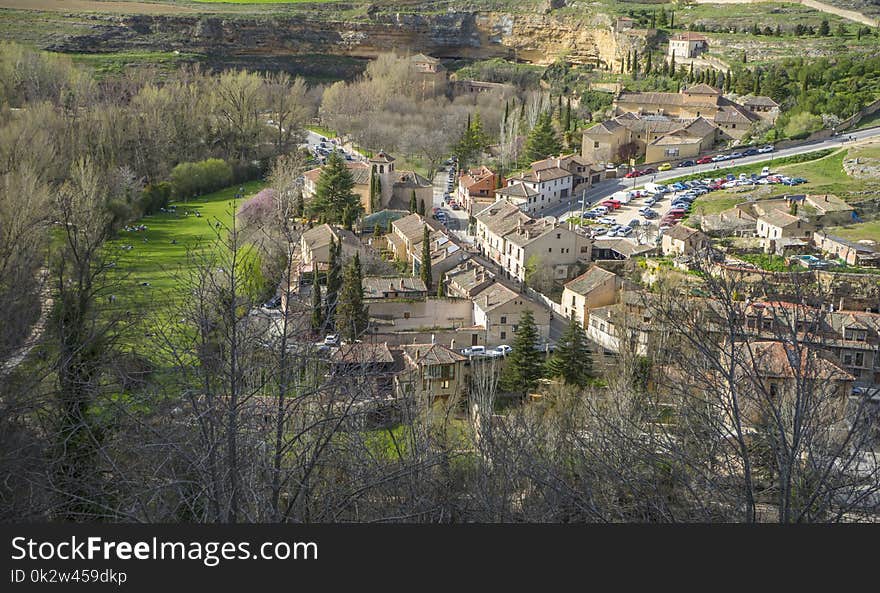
x=614, y=204
x=633, y=173
x=704, y=161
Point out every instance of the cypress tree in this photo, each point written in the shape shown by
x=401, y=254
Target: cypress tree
x=523, y=365
x=672, y=65
x=421, y=206
x=566, y=123
x=334, y=280
x=317, y=321
x=671, y=19
x=425, y=271
x=648, y=64
x=352, y=317
x=412, y=202
x=572, y=361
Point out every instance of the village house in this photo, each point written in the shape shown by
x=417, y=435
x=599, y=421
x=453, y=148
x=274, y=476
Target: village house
x=445, y=255
x=700, y=100
x=405, y=233
x=596, y=287
x=686, y=45
x=545, y=188
x=431, y=74
x=780, y=229
x=499, y=309
x=315, y=246
x=584, y=173
x=399, y=287
x=852, y=338
x=657, y=137
x=467, y=279
x=373, y=362
x=619, y=248
x=764, y=107
x=431, y=371
x=476, y=188
x=627, y=324
x=826, y=209
x=682, y=240
x=513, y=240
x=853, y=253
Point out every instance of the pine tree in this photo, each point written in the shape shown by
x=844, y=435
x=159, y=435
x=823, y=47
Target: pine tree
x=317, y=321
x=572, y=361
x=334, y=280
x=425, y=270
x=412, y=202
x=352, y=317
x=542, y=141
x=377, y=230
x=523, y=365
x=334, y=191
x=824, y=29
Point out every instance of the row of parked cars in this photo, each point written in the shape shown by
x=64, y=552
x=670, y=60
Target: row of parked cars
x=499, y=351
x=701, y=161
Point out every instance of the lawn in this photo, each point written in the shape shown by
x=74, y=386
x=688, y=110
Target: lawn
x=856, y=232
x=154, y=259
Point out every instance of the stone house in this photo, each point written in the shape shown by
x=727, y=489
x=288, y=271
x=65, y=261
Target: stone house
x=682, y=240
x=499, y=309
x=594, y=288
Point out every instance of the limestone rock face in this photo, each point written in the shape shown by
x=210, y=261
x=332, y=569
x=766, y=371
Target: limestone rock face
x=536, y=38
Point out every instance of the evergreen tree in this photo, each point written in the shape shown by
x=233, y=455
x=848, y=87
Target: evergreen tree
x=648, y=65
x=425, y=271
x=572, y=361
x=672, y=65
x=352, y=317
x=317, y=305
x=422, y=206
x=506, y=113
x=334, y=280
x=824, y=29
x=440, y=289
x=334, y=192
x=377, y=231
x=523, y=365
x=671, y=19
x=299, y=206
x=653, y=19
x=566, y=122
x=778, y=31
x=745, y=57
x=472, y=142
x=661, y=17
x=542, y=141
x=635, y=64
x=412, y=202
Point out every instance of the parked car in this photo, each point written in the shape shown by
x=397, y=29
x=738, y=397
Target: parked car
x=472, y=351
x=624, y=231
x=331, y=340
x=686, y=164
x=503, y=349
x=633, y=223
x=650, y=202
x=649, y=171
x=766, y=149
x=633, y=173
x=750, y=152
x=664, y=167
x=607, y=220
x=273, y=303
x=735, y=155
x=704, y=160
x=611, y=204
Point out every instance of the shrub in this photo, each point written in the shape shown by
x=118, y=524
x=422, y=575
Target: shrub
x=193, y=179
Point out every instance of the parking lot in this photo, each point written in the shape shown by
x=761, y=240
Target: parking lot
x=681, y=196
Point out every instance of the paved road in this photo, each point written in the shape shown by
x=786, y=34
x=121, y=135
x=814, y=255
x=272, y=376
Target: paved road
x=606, y=188
x=457, y=220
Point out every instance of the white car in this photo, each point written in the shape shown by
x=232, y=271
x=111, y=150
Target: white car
x=331, y=340
x=607, y=220
x=504, y=349
x=766, y=149
x=474, y=351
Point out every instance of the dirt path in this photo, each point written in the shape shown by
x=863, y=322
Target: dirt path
x=97, y=6
x=850, y=15
x=11, y=363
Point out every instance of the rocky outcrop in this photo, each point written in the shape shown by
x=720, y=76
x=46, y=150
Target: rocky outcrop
x=536, y=38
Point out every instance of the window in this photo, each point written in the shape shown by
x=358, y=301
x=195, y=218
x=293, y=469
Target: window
x=860, y=359
x=549, y=250
x=503, y=319
x=503, y=335
x=406, y=314
x=558, y=235
x=766, y=324
x=847, y=358
x=584, y=248
x=595, y=145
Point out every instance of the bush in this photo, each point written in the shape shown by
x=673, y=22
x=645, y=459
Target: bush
x=193, y=179
x=155, y=197
x=802, y=125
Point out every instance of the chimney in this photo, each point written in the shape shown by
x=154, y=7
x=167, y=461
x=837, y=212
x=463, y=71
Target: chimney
x=432, y=339
x=452, y=344
x=486, y=300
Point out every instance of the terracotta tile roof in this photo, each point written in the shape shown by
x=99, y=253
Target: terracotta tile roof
x=412, y=227
x=760, y=102
x=363, y=354
x=689, y=36
x=780, y=219
x=318, y=236
x=494, y=296
x=681, y=232
x=430, y=354
x=776, y=359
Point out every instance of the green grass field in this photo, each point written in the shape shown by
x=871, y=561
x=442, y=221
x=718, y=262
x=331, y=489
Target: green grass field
x=856, y=232
x=163, y=264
